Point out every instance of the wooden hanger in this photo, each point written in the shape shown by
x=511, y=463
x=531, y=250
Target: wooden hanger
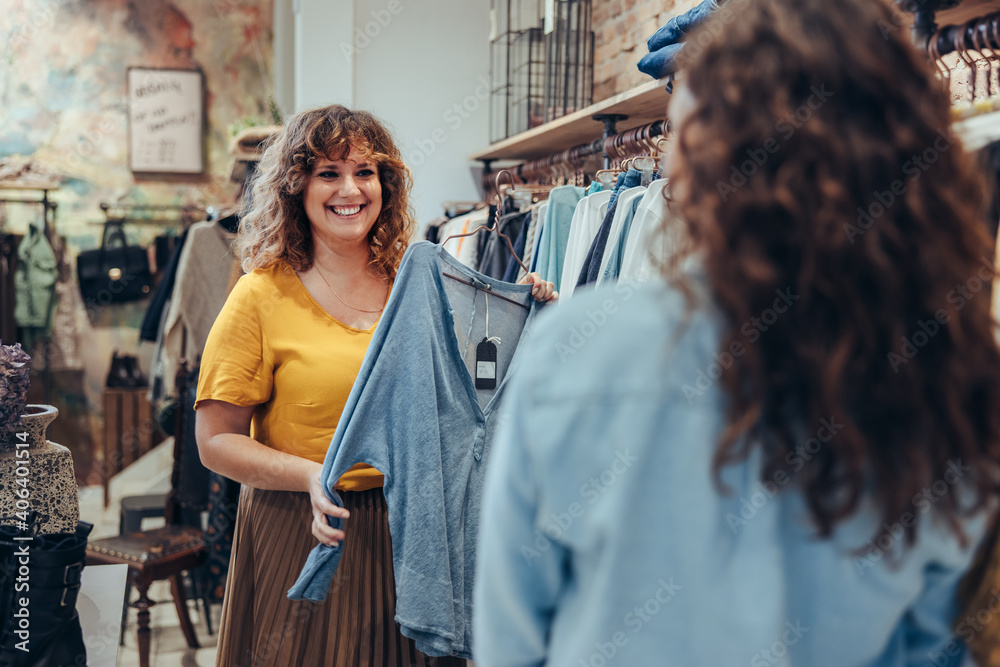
x=496, y=223
x=486, y=287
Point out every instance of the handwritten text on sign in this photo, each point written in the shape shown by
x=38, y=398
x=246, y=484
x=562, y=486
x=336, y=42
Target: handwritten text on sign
x=165, y=116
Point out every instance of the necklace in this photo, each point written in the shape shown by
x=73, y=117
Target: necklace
x=361, y=310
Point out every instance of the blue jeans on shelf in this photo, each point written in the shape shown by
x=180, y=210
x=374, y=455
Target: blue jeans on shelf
x=677, y=27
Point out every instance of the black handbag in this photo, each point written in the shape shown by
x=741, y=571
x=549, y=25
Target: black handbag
x=116, y=272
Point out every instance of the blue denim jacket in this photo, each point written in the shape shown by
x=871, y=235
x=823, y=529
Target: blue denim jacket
x=679, y=26
x=666, y=43
x=416, y=415
x=605, y=541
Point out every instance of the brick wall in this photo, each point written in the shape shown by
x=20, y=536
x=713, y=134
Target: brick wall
x=621, y=28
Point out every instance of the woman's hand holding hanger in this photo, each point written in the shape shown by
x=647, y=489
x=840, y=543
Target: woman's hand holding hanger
x=542, y=290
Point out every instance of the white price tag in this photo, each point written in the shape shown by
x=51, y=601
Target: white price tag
x=486, y=370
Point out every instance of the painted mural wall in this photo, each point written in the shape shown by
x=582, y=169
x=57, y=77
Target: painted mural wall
x=63, y=106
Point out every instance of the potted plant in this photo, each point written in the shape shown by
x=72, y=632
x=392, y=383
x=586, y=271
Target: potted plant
x=35, y=474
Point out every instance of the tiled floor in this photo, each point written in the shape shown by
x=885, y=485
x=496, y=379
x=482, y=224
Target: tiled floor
x=151, y=475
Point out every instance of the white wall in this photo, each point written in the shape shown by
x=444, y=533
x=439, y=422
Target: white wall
x=322, y=76
x=284, y=55
x=423, y=67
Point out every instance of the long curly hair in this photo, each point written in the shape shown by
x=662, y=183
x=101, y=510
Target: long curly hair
x=839, y=224
x=275, y=227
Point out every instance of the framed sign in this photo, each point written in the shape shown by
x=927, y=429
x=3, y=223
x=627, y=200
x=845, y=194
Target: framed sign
x=166, y=118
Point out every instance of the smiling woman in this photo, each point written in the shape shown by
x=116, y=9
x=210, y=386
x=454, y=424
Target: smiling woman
x=321, y=241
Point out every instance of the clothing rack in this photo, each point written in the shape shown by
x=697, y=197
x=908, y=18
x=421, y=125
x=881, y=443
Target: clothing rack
x=613, y=147
x=58, y=247
x=48, y=206
x=974, y=35
x=924, y=18
x=157, y=214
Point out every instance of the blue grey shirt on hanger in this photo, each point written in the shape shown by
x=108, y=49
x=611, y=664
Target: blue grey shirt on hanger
x=416, y=415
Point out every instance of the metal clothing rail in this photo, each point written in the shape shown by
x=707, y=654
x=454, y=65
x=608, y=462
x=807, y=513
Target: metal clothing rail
x=638, y=140
x=152, y=213
x=974, y=35
x=48, y=206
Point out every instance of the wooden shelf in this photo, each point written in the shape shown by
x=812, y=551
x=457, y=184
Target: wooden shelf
x=969, y=9
x=644, y=104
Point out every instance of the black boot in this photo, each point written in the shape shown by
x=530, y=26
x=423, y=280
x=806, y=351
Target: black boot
x=46, y=632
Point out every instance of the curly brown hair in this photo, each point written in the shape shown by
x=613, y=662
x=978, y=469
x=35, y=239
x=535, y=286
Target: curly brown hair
x=275, y=226
x=818, y=161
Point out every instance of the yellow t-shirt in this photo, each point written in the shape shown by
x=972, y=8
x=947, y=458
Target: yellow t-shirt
x=274, y=347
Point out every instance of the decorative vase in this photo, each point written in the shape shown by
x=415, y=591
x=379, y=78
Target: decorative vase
x=47, y=471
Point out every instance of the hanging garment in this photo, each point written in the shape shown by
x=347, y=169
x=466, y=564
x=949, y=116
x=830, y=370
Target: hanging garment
x=513, y=268
x=8, y=291
x=592, y=264
x=555, y=233
x=587, y=220
x=223, y=497
x=200, y=290
x=496, y=255
x=541, y=211
x=35, y=283
x=66, y=349
x=466, y=248
x=613, y=256
x=434, y=228
x=603, y=528
x=433, y=440
x=654, y=236
x=507, y=207
x=530, y=241
x=628, y=202
x=161, y=296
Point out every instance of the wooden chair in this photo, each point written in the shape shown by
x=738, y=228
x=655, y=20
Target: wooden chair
x=166, y=552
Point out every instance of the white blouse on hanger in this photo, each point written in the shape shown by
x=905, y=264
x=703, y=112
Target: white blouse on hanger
x=647, y=247
x=587, y=219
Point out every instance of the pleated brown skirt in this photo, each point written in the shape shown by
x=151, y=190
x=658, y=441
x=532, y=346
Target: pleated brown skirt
x=353, y=627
